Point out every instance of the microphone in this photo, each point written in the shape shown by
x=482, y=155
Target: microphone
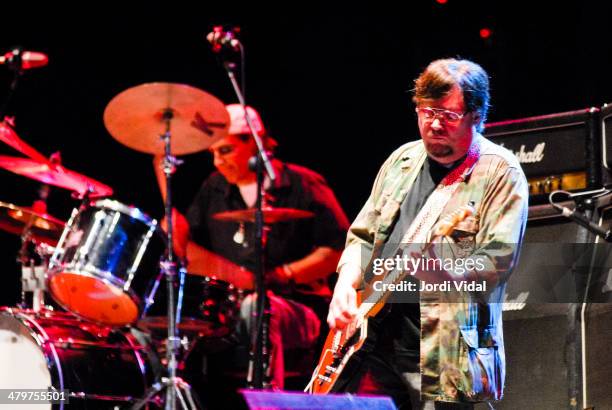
x=24, y=60
x=582, y=220
x=221, y=39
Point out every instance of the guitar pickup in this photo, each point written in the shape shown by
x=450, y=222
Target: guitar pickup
x=325, y=378
x=330, y=369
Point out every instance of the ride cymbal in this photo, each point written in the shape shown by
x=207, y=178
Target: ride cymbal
x=138, y=116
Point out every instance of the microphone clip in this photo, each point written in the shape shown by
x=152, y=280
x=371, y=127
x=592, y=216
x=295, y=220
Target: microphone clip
x=14, y=59
x=224, y=39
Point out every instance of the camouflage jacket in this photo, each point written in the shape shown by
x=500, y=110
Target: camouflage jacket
x=461, y=347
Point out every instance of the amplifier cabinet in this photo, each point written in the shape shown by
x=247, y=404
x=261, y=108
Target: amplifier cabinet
x=556, y=151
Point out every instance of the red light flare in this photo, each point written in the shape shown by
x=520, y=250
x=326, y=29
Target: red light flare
x=485, y=33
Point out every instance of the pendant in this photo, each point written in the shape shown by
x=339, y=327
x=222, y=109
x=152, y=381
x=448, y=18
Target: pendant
x=239, y=235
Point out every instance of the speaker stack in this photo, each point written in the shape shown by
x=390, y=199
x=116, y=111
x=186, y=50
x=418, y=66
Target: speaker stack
x=558, y=311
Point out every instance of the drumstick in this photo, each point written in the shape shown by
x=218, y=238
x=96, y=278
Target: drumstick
x=158, y=163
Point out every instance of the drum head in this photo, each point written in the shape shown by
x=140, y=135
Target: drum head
x=24, y=365
x=93, y=299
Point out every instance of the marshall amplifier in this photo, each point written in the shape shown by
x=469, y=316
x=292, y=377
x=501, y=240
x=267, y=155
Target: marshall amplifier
x=557, y=151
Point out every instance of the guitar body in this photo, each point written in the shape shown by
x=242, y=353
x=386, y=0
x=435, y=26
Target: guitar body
x=339, y=346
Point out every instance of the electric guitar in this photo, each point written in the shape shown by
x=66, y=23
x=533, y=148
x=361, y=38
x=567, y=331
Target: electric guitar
x=341, y=344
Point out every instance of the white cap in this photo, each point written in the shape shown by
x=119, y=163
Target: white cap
x=238, y=123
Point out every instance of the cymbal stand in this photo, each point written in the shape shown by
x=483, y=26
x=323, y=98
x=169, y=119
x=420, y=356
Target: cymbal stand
x=33, y=258
x=32, y=273
x=175, y=388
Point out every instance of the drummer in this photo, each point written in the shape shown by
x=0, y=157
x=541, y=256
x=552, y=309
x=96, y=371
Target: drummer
x=300, y=254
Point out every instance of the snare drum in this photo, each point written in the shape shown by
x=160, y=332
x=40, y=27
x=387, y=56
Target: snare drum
x=99, y=366
x=210, y=307
x=104, y=262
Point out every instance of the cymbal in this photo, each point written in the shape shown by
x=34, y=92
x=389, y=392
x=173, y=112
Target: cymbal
x=136, y=118
x=271, y=215
x=44, y=227
x=10, y=137
x=55, y=175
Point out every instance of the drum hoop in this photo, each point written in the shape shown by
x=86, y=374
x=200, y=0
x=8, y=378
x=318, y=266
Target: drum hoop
x=59, y=248
x=130, y=211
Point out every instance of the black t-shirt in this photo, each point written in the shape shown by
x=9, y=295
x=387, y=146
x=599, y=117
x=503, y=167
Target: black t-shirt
x=399, y=330
x=296, y=187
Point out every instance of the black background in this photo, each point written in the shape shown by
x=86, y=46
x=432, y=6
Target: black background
x=330, y=79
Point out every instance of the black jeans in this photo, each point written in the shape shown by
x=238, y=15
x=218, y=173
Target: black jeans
x=370, y=373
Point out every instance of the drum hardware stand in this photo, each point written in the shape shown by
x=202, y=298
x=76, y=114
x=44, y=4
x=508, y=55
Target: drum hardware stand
x=225, y=42
x=32, y=275
x=174, y=386
x=31, y=257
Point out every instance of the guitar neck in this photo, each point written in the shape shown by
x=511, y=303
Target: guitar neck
x=375, y=298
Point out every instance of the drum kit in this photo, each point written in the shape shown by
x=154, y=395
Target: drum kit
x=102, y=267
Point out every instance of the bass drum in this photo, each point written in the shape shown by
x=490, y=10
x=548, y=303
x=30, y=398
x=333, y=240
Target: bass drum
x=102, y=368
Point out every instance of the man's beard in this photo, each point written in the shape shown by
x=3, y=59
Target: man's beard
x=439, y=150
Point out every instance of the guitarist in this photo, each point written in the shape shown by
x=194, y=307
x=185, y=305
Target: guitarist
x=431, y=354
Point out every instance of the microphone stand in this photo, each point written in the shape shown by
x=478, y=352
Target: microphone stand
x=578, y=214
x=15, y=64
x=576, y=349
x=260, y=351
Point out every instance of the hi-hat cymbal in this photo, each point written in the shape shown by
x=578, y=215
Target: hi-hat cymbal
x=137, y=118
x=55, y=175
x=43, y=227
x=270, y=215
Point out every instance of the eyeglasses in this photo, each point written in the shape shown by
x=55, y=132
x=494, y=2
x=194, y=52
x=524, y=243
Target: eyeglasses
x=431, y=113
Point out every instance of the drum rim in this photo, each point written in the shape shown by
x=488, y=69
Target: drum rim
x=131, y=211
